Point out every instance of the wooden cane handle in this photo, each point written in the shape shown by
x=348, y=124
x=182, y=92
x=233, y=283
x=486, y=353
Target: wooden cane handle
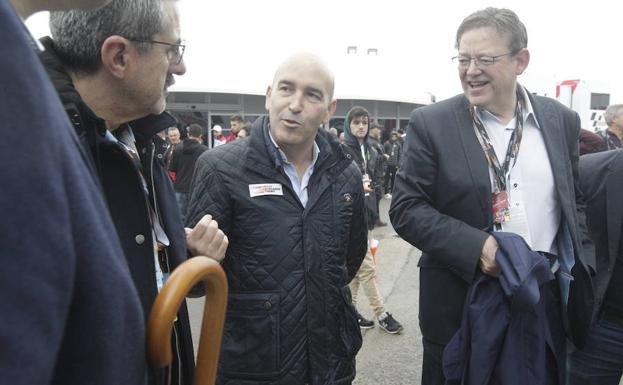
x=165, y=308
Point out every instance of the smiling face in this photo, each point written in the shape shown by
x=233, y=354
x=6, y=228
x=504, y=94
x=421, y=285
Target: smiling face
x=299, y=101
x=491, y=87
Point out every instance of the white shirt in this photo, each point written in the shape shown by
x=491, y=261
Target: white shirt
x=535, y=210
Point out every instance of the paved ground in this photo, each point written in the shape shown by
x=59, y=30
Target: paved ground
x=384, y=359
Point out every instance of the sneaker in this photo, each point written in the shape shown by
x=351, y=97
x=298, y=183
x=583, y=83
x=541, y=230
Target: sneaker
x=364, y=323
x=389, y=324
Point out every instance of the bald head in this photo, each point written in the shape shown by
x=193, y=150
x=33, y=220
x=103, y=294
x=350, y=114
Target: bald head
x=298, y=102
x=306, y=61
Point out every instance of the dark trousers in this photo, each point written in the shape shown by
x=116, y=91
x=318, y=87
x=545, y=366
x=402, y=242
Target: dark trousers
x=390, y=176
x=432, y=371
x=182, y=202
x=600, y=362
x=432, y=366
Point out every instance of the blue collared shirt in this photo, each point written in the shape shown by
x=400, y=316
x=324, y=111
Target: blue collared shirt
x=299, y=186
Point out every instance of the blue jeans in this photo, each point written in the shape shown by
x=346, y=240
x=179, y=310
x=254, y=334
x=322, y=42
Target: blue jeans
x=601, y=360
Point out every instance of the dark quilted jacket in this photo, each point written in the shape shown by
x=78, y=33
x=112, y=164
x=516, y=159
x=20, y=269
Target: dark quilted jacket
x=290, y=320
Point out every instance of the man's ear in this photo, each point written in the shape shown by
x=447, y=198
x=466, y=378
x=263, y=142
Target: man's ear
x=523, y=59
x=269, y=91
x=331, y=110
x=116, y=52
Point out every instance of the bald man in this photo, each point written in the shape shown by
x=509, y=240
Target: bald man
x=291, y=203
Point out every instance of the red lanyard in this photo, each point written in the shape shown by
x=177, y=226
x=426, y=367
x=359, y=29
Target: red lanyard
x=512, y=151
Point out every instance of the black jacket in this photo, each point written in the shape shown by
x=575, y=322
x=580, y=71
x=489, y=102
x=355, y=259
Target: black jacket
x=394, y=150
x=601, y=181
x=70, y=312
x=442, y=205
x=290, y=320
x=128, y=201
x=183, y=162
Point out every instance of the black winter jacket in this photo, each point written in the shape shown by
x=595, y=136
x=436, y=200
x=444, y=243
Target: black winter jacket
x=129, y=203
x=290, y=320
x=183, y=163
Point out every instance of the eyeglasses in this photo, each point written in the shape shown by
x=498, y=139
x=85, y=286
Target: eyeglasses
x=481, y=61
x=175, y=53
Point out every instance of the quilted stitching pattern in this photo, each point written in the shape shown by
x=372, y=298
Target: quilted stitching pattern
x=273, y=248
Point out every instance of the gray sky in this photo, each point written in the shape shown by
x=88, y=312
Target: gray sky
x=235, y=45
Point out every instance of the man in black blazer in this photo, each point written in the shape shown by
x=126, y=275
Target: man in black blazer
x=601, y=359
x=471, y=167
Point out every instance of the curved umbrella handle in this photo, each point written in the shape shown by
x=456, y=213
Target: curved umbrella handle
x=165, y=308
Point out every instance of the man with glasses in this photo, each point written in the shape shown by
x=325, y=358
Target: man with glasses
x=70, y=312
x=112, y=67
x=495, y=158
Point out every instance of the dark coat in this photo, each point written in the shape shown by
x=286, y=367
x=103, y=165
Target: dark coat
x=442, y=205
x=128, y=201
x=289, y=311
x=183, y=162
x=601, y=180
x=70, y=312
x=503, y=337
x=394, y=150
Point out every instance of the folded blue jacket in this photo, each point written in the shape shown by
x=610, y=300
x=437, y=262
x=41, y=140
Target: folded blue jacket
x=504, y=334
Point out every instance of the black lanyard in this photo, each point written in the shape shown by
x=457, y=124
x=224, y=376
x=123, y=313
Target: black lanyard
x=512, y=151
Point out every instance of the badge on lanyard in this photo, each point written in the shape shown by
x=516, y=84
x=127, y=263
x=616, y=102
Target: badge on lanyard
x=501, y=207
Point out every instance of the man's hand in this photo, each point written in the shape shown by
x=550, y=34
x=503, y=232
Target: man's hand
x=367, y=188
x=206, y=239
x=488, y=265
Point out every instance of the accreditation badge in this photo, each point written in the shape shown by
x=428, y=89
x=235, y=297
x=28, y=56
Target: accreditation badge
x=501, y=207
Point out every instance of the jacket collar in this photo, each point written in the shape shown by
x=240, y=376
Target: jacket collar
x=264, y=156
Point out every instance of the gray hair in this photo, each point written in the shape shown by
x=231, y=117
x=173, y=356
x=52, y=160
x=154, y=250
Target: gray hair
x=503, y=20
x=79, y=34
x=612, y=112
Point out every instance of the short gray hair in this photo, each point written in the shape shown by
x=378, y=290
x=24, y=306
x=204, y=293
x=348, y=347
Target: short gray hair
x=612, y=112
x=79, y=34
x=505, y=21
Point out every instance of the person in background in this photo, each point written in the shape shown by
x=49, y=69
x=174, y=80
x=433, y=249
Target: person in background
x=374, y=138
x=174, y=139
x=613, y=136
x=236, y=123
x=183, y=164
x=368, y=160
x=590, y=142
x=393, y=152
x=243, y=133
x=600, y=360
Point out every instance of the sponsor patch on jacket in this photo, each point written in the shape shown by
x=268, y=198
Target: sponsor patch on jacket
x=261, y=189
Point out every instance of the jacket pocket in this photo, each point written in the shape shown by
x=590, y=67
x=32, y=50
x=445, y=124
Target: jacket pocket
x=350, y=334
x=250, y=347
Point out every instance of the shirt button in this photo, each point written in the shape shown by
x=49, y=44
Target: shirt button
x=515, y=185
x=268, y=305
x=140, y=239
